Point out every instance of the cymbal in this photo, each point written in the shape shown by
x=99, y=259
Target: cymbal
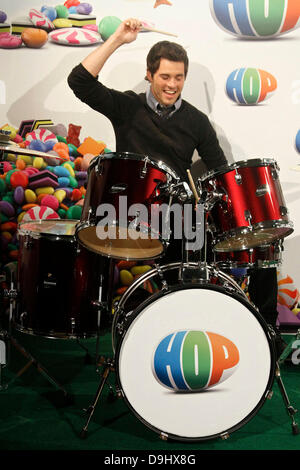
x=52, y=160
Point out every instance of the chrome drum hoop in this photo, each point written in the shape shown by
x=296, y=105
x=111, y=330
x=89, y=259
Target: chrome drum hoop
x=227, y=282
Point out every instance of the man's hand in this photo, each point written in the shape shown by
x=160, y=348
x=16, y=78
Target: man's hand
x=128, y=30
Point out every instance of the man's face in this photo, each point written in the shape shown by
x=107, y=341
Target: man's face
x=167, y=82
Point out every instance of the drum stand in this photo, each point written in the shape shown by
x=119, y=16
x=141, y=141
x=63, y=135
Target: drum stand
x=290, y=409
x=109, y=365
x=185, y=276
x=11, y=341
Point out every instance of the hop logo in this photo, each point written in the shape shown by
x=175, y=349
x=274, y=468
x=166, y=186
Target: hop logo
x=256, y=18
x=298, y=141
x=250, y=86
x=194, y=360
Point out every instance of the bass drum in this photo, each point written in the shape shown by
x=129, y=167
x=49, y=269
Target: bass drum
x=195, y=361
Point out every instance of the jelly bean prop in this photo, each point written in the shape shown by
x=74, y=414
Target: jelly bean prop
x=3, y=16
x=50, y=201
x=19, y=178
x=50, y=12
x=71, y=3
x=9, y=41
x=34, y=38
x=62, y=11
x=34, y=187
x=84, y=8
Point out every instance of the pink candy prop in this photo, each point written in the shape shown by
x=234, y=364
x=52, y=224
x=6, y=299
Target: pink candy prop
x=9, y=41
x=75, y=37
x=40, y=213
x=40, y=20
x=40, y=134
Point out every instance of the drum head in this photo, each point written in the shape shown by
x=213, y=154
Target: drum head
x=50, y=227
x=195, y=362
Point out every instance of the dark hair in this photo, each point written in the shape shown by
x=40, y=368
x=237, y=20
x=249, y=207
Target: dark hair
x=166, y=50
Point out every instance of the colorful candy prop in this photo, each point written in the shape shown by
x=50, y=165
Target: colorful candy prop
x=40, y=213
x=40, y=20
x=288, y=294
x=74, y=37
x=33, y=37
x=9, y=41
x=40, y=134
x=108, y=26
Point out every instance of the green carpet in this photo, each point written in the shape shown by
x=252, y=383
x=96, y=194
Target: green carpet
x=34, y=414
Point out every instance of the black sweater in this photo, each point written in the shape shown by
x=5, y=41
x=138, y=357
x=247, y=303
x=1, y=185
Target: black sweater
x=138, y=129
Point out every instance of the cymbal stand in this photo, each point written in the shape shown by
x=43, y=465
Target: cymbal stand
x=32, y=361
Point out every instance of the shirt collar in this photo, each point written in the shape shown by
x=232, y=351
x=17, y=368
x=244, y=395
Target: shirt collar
x=153, y=103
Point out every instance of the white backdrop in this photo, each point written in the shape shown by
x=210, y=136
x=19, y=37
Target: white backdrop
x=33, y=86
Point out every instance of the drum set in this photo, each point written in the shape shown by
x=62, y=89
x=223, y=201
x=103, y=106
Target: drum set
x=195, y=360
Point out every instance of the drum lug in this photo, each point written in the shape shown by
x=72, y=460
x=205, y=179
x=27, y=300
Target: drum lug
x=163, y=436
x=99, y=168
x=22, y=318
x=119, y=393
x=143, y=171
x=274, y=172
x=73, y=325
x=269, y=394
x=248, y=217
x=283, y=211
x=238, y=178
x=224, y=436
x=28, y=243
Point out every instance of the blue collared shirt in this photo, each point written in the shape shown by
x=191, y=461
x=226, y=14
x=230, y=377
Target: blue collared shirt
x=156, y=106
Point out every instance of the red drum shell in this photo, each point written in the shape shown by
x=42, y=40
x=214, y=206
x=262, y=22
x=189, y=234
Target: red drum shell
x=266, y=256
x=252, y=210
x=57, y=281
x=139, y=179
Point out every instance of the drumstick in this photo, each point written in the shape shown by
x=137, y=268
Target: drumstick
x=154, y=30
x=197, y=197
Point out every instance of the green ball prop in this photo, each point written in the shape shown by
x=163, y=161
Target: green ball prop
x=108, y=26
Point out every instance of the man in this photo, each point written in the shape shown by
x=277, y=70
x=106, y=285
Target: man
x=159, y=123
x=138, y=124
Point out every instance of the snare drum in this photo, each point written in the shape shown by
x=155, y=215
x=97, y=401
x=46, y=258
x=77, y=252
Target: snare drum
x=116, y=217
x=250, y=209
x=194, y=361
x=57, y=281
